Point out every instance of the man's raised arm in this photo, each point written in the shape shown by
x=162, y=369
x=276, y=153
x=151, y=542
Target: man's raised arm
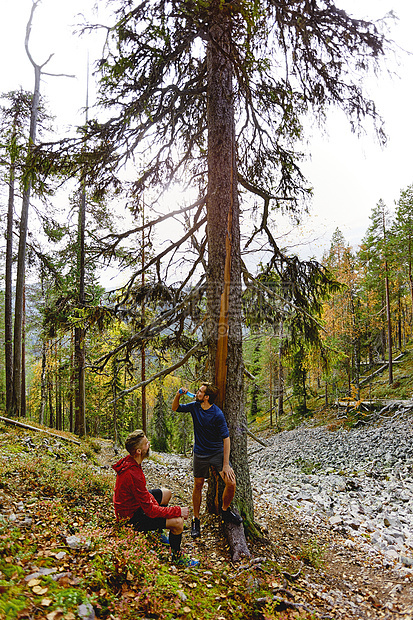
x=175, y=402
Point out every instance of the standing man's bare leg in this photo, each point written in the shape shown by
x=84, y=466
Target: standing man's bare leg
x=228, y=494
x=196, y=504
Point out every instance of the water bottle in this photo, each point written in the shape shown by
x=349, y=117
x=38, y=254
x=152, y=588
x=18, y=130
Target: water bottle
x=190, y=394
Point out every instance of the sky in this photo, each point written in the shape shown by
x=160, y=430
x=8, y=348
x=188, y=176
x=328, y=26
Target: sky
x=349, y=174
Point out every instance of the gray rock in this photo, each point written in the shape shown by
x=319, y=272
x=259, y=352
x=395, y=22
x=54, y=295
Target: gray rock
x=86, y=611
x=74, y=542
x=406, y=561
x=360, y=480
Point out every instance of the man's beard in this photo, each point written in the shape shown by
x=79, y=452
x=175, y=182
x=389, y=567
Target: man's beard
x=146, y=454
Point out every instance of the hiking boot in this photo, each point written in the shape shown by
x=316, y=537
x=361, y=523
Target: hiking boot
x=231, y=517
x=195, y=528
x=183, y=561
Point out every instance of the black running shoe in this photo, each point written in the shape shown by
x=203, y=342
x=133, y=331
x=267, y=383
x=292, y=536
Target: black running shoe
x=195, y=528
x=231, y=517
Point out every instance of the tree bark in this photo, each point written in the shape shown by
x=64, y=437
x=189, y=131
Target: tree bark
x=8, y=313
x=80, y=332
x=280, y=409
x=79, y=374
x=23, y=364
x=24, y=218
x=389, y=328
x=388, y=309
x=43, y=386
x=233, y=533
x=224, y=329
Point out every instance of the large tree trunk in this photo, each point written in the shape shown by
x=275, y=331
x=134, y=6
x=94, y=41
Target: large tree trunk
x=8, y=329
x=79, y=373
x=389, y=329
x=80, y=332
x=224, y=331
x=23, y=365
x=233, y=533
x=24, y=219
x=43, y=385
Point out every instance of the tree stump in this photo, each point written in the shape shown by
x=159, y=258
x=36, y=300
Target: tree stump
x=234, y=534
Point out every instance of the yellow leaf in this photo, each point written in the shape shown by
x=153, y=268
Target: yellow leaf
x=46, y=602
x=186, y=610
x=39, y=590
x=129, y=576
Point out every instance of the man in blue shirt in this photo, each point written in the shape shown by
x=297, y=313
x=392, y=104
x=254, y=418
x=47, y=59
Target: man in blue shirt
x=212, y=447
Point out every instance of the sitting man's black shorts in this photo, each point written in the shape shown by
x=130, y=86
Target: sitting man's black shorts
x=142, y=523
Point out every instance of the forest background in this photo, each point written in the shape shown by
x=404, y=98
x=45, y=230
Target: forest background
x=363, y=320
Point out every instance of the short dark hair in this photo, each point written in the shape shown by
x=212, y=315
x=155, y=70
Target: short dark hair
x=211, y=390
x=133, y=440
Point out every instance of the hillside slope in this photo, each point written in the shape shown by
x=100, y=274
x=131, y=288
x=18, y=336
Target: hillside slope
x=61, y=556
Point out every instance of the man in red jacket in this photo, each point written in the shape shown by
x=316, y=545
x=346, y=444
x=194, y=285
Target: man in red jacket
x=147, y=510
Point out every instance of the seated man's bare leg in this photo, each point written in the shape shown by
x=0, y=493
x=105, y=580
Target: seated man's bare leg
x=175, y=525
x=166, y=496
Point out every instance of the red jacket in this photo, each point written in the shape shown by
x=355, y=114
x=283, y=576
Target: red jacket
x=131, y=493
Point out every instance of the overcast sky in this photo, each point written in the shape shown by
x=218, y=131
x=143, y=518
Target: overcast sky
x=349, y=174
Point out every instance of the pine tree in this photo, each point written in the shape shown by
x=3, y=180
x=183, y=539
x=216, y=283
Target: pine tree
x=375, y=254
x=160, y=431
x=212, y=94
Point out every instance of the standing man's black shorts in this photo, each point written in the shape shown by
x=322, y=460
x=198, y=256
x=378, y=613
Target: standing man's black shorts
x=201, y=464
x=142, y=523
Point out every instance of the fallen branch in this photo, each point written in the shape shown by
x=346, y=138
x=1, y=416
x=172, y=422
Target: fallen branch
x=379, y=370
x=40, y=430
x=263, y=443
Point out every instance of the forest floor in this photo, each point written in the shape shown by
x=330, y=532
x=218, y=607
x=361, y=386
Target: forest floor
x=62, y=557
x=322, y=574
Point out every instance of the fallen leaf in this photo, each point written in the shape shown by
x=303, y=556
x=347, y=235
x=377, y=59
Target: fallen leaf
x=129, y=576
x=186, y=610
x=70, y=616
x=55, y=615
x=33, y=582
x=46, y=602
x=129, y=593
x=39, y=590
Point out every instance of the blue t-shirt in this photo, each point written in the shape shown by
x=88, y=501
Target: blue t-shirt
x=210, y=428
